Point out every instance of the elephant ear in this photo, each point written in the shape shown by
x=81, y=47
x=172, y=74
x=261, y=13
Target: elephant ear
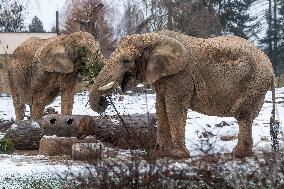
x=167, y=57
x=56, y=59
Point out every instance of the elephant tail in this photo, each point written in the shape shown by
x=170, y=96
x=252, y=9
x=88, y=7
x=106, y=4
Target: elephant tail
x=273, y=98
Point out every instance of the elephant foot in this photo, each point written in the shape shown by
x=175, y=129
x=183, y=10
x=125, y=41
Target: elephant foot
x=242, y=151
x=176, y=153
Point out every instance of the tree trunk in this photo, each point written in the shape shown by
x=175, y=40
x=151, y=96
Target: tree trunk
x=25, y=135
x=269, y=33
x=275, y=37
x=137, y=132
x=78, y=126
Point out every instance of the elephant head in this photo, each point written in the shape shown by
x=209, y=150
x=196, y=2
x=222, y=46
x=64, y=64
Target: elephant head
x=137, y=59
x=69, y=53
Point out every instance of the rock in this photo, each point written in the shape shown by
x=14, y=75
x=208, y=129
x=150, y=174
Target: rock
x=228, y=137
x=264, y=138
x=5, y=124
x=222, y=124
x=205, y=134
x=49, y=110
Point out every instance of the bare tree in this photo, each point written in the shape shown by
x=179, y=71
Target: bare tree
x=11, y=16
x=133, y=19
x=195, y=18
x=90, y=16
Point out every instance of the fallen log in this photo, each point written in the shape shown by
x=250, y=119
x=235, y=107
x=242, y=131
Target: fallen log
x=137, y=132
x=78, y=126
x=25, y=135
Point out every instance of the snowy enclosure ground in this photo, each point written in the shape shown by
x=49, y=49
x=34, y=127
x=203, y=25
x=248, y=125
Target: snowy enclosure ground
x=12, y=166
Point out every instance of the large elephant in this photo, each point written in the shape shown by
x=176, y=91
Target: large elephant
x=41, y=69
x=223, y=76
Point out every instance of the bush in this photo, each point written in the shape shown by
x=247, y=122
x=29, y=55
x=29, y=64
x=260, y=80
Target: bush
x=6, y=146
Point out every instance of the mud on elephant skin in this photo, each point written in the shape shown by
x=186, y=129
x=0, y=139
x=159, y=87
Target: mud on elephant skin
x=223, y=76
x=42, y=69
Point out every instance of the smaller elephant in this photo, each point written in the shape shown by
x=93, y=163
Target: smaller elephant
x=223, y=76
x=42, y=69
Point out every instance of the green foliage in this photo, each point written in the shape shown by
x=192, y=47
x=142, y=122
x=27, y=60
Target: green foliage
x=6, y=146
x=36, y=25
x=90, y=67
x=272, y=42
x=236, y=18
x=81, y=56
x=91, y=72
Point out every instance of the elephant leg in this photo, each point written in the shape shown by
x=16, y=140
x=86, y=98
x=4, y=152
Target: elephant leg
x=67, y=99
x=164, y=139
x=247, y=112
x=37, y=110
x=245, y=142
x=177, y=121
x=18, y=105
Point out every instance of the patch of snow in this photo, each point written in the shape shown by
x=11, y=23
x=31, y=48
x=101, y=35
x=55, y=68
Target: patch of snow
x=13, y=127
x=35, y=125
x=140, y=85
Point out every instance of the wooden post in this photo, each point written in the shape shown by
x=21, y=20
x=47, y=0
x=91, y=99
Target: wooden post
x=57, y=23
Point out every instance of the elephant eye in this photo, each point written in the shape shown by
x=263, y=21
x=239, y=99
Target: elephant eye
x=125, y=61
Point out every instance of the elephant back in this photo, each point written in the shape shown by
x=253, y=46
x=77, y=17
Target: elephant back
x=27, y=49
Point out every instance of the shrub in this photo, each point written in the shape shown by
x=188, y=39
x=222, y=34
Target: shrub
x=6, y=146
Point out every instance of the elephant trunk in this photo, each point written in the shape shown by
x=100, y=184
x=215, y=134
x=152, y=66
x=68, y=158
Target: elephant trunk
x=102, y=87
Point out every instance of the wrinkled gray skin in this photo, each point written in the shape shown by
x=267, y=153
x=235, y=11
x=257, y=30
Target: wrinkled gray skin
x=223, y=76
x=42, y=69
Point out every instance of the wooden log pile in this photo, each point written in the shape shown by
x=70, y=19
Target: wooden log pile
x=134, y=132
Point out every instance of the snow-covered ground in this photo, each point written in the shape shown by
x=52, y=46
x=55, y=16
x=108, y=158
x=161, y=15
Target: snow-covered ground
x=12, y=166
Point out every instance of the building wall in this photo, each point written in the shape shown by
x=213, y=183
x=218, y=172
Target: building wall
x=10, y=41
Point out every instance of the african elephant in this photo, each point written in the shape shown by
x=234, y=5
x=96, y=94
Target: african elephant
x=41, y=69
x=223, y=76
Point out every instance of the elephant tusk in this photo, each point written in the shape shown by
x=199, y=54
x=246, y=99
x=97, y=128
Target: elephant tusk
x=107, y=86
